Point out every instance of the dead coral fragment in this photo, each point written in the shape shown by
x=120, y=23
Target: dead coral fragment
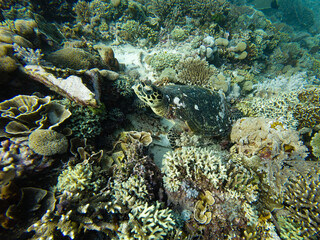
x=48, y=142
x=71, y=87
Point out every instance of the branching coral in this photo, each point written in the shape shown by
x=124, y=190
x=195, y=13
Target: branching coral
x=193, y=164
x=302, y=200
x=147, y=221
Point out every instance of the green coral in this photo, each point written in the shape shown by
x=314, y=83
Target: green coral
x=179, y=34
x=86, y=122
x=164, y=60
x=315, y=144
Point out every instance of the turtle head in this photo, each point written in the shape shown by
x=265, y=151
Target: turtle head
x=149, y=94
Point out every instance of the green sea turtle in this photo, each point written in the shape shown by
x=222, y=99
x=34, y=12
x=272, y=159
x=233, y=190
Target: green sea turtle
x=192, y=108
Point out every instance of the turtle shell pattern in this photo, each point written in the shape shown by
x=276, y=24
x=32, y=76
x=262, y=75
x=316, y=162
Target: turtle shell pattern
x=198, y=109
x=193, y=108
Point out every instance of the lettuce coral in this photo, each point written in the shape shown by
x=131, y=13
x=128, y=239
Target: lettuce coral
x=23, y=114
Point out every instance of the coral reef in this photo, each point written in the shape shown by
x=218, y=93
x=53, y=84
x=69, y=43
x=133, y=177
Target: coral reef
x=19, y=207
x=147, y=221
x=302, y=198
x=315, y=144
x=17, y=159
x=177, y=167
x=308, y=109
x=23, y=114
x=74, y=58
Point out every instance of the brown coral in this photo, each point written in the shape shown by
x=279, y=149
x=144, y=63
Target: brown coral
x=194, y=71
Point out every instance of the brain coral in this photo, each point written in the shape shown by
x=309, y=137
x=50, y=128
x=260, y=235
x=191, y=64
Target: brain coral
x=74, y=58
x=48, y=142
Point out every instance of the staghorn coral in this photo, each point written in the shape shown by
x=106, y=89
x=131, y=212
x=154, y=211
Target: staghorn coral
x=192, y=164
x=23, y=114
x=147, y=221
x=194, y=71
x=48, y=142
